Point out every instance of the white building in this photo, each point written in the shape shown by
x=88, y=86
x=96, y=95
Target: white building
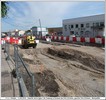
x=17, y=32
x=90, y=26
x=21, y=33
x=37, y=31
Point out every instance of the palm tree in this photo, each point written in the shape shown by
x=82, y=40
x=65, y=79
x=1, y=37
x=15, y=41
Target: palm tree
x=4, y=9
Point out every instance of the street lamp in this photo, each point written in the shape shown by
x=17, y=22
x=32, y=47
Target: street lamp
x=93, y=29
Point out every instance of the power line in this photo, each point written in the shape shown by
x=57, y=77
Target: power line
x=26, y=25
x=10, y=24
x=15, y=24
x=17, y=18
x=20, y=19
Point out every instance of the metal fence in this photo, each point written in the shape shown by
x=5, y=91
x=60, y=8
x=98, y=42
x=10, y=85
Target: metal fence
x=22, y=87
x=6, y=47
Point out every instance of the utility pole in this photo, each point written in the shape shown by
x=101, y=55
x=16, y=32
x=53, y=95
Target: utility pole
x=93, y=29
x=40, y=27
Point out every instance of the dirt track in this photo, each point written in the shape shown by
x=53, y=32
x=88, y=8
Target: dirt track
x=64, y=70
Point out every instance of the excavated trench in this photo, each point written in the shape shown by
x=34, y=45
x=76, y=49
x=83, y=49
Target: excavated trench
x=45, y=84
x=64, y=72
x=84, y=58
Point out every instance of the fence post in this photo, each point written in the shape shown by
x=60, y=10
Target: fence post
x=5, y=47
x=8, y=51
x=33, y=85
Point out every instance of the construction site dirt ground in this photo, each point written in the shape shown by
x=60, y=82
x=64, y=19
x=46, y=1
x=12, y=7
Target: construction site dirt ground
x=65, y=70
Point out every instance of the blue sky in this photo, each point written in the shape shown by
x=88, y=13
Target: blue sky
x=24, y=15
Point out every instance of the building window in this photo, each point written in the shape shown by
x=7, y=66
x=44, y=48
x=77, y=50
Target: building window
x=82, y=25
x=72, y=26
x=76, y=25
x=97, y=24
x=87, y=25
x=69, y=27
x=102, y=24
x=65, y=27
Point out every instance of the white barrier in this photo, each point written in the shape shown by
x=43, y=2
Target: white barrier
x=20, y=41
x=2, y=41
x=48, y=39
x=78, y=39
x=98, y=40
x=87, y=39
x=37, y=41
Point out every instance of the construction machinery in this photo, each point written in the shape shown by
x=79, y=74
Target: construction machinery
x=29, y=41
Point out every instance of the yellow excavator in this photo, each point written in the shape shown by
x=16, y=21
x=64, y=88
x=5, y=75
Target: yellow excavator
x=29, y=41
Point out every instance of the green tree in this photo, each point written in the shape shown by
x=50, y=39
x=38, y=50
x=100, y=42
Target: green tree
x=4, y=9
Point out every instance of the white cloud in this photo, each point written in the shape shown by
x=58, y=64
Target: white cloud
x=50, y=13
